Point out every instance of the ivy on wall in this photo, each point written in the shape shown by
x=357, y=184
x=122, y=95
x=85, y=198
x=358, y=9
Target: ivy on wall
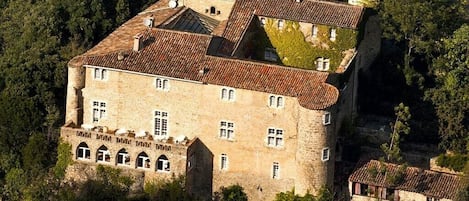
x=297, y=50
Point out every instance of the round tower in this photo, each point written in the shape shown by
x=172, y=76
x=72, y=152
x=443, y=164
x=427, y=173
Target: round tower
x=314, y=156
x=76, y=82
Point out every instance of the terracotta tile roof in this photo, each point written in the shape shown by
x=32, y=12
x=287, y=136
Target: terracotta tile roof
x=426, y=182
x=182, y=55
x=316, y=12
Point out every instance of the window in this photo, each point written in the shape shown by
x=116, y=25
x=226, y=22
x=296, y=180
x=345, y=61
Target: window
x=315, y=31
x=276, y=101
x=163, y=164
x=227, y=94
x=99, y=111
x=100, y=74
x=432, y=199
x=280, y=24
x=212, y=10
x=322, y=64
x=270, y=54
x=83, y=152
x=103, y=155
x=161, y=124
x=143, y=161
x=325, y=154
x=275, y=170
x=263, y=21
x=162, y=84
x=275, y=137
x=226, y=130
x=123, y=157
x=333, y=34
x=223, y=162
x=326, y=118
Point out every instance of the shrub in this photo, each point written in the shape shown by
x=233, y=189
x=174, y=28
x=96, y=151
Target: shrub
x=455, y=162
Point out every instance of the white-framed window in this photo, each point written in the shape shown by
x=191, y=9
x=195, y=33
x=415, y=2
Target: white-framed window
x=432, y=199
x=263, y=21
x=99, y=110
x=100, y=74
x=83, y=152
x=315, y=31
x=103, y=155
x=123, y=157
x=276, y=101
x=143, y=161
x=226, y=130
x=274, y=137
x=326, y=118
x=228, y=94
x=163, y=164
x=223, y=162
x=161, y=124
x=270, y=54
x=325, y=154
x=162, y=84
x=275, y=170
x=280, y=24
x=333, y=34
x=322, y=64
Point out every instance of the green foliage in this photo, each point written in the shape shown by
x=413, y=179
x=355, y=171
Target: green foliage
x=294, y=50
x=451, y=95
x=35, y=154
x=15, y=181
x=400, y=126
x=233, y=193
x=64, y=158
x=455, y=162
x=168, y=190
x=417, y=26
x=397, y=177
x=324, y=194
x=291, y=196
x=109, y=185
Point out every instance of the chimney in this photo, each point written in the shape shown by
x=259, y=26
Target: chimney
x=138, y=42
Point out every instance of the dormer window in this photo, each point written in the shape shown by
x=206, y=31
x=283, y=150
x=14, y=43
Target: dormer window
x=280, y=24
x=270, y=54
x=315, y=31
x=322, y=64
x=213, y=10
x=333, y=34
x=263, y=22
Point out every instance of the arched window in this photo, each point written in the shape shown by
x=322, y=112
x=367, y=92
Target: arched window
x=162, y=164
x=212, y=10
x=123, y=157
x=103, y=155
x=272, y=101
x=83, y=152
x=279, y=101
x=143, y=161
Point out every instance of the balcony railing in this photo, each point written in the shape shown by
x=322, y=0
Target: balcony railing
x=125, y=140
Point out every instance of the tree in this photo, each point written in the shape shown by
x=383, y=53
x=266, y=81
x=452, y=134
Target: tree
x=451, y=94
x=233, y=193
x=169, y=190
x=417, y=26
x=324, y=194
x=400, y=126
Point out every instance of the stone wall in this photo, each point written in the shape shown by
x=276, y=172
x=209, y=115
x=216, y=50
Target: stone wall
x=222, y=7
x=195, y=110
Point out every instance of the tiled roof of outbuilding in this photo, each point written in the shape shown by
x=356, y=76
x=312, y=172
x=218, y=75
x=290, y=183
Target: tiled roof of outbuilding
x=426, y=182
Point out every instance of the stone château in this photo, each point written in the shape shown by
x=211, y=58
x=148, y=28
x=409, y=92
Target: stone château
x=249, y=92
